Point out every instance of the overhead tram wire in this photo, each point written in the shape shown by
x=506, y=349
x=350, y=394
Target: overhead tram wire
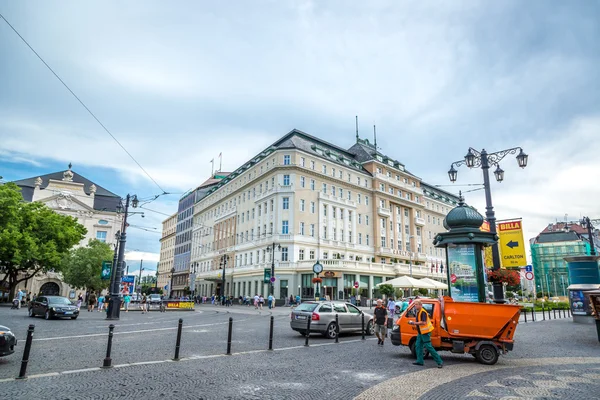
x=83, y=104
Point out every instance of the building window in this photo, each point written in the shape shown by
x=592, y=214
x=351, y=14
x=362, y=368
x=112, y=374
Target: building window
x=358, y=180
x=367, y=240
x=359, y=219
x=341, y=193
x=358, y=196
x=367, y=200
x=286, y=180
x=302, y=203
x=406, y=212
x=302, y=161
x=302, y=181
x=302, y=228
x=333, y=191
x=311, y=255
x=312, y=230
x=312, y=184
x=349, y=195
x=101, y=236
x=324, y=168
x=286, y=160
x=312, y=165
x=285, y=228
x=301, y=255
x=341, y=175
x=383, y=241
x=324, y=188
x=325, y=255
x=312, y=207
x=324, y=232
x=360, y=238
x=286, y=203
x=333, y=172
x=382, y=187
x=284, y=254
x=366, y=220
x=382, y=203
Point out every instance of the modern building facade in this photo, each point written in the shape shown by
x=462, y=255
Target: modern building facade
x=548, y=250
x=183, y=244
x=69, y=193
x=167, y=252
x=362, y=214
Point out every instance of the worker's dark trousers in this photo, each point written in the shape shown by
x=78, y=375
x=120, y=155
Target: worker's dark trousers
x=424, y=341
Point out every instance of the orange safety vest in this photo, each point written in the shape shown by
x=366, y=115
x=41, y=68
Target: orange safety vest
x=428, y=327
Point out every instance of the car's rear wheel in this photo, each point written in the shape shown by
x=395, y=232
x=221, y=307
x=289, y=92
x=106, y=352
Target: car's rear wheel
x=31, y=313
x=370, y=329
x=332, y=331
x=47, y=315
x=487, y=354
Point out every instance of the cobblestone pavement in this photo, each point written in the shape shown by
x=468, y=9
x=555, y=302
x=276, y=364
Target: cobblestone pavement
x=565, y=353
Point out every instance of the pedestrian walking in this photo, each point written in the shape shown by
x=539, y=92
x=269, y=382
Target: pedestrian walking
x=270, y=301
x=79, y=301
x=144, y=304
x=261, y=301
x=291, y=300
x=91, y=302
x=126, y=301
x=100, y=302
x=256, y=301
x=20, y=295
x=381, y=318
x=424, y=329
x=298, y=299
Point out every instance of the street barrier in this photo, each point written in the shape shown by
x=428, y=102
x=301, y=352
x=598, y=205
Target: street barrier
x=25, y=360
x=271, y=333
x=229, y=336
x=107, y=359
x=178, y=341
x=525, y=314
x=307, y=329
x=337, y=329
x=363, y=326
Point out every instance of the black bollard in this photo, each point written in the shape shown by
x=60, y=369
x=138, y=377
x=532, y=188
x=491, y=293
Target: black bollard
x=363, y=326
x=271, y=333
x=525, y=314
x=25, y=360
x=533, y=313
x=554, y=313
x=229, y=336
x=337, y=329
x=543, y=312
x=308, y=330
x=569, y=312
x=107, y=359
x=178, y=342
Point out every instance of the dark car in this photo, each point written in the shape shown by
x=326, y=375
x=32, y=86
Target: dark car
x=8, y=341
x=52, y=307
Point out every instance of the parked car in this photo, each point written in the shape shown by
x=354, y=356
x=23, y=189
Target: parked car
x=322, y=315
x=8, y=341
x=53, y=307
x=154, y=298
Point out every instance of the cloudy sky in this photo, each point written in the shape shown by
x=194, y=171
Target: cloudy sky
x=177, y=83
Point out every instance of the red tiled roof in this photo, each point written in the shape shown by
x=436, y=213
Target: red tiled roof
x=560, y=226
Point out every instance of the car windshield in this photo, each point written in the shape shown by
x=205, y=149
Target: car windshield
x=308, y=307
x=59, y=300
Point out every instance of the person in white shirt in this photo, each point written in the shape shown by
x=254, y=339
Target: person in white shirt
x=391, y=306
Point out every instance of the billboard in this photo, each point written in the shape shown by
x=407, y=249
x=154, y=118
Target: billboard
x=127, y=284
x=511, y=244
x=462, y=269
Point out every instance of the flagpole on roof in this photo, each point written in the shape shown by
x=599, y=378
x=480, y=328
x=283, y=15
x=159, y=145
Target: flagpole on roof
x=212, y=167
x=220, y=161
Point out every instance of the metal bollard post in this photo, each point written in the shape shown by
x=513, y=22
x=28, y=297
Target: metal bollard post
x=307, y=330
x=525, y=314
x=229, y=336
x=543, y=312
x=25, y=360
x=554, y=313
x=178, y=342
x=107, y=359
x=533, y=313
x=337, y=329
x=271, y=333
x=363, y=326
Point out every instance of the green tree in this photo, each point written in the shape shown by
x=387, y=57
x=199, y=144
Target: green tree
x=82, y=267
x=386, y=290
x=33, y=238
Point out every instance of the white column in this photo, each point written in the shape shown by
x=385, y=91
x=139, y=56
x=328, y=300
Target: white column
x=330, y=220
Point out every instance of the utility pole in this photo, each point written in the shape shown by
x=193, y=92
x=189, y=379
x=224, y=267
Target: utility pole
x=140, y=278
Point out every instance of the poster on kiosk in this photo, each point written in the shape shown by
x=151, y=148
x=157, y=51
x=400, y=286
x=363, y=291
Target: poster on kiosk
x=462, y=272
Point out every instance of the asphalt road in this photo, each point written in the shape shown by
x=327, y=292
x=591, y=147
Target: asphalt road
x=292, y=371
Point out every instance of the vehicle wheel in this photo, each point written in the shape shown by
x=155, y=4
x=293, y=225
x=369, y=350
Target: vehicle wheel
x=302, y=333
x=31, y=313
x=413, y=345
x=370, y=329
x=332, y=331
x=74, y=317
x=487, y=354
x=47, y=315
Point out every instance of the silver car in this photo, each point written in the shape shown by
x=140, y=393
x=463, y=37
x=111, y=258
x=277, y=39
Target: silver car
x=322, y=315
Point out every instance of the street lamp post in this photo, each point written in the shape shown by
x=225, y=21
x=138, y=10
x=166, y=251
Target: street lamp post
x=587, y=223
x=272, y=281
x=171, y=284
x=224, y=260
x=484, y=160
x=114, y=309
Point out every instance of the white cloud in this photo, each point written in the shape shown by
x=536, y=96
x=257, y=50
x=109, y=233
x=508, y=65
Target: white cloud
x=141, y=255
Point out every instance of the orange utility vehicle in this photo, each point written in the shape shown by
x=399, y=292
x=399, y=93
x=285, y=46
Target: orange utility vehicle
x=483, y=330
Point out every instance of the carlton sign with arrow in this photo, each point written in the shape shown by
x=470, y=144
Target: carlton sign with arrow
x=512, y=246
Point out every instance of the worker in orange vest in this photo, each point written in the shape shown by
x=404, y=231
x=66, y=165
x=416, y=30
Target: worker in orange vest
x=424, y=329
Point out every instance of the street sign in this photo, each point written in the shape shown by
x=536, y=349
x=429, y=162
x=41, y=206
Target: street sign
x=529, y=275
x=512, y=245
x=356, y=285
x=106, y=269
x=267, y=275
x=529, y=268
x=272, y=279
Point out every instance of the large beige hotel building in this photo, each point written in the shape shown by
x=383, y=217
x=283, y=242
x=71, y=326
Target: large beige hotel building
x=362, y=214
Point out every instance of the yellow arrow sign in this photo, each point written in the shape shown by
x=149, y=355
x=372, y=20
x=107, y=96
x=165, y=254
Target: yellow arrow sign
x=512, y=244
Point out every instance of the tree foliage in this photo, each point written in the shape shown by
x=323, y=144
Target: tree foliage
x=386, y=290
x=82, y=267
x=33, y=238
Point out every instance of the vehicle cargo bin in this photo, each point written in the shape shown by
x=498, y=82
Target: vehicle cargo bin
x=478, y=320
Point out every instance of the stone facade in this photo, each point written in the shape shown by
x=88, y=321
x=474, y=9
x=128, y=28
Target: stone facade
x=167, y=251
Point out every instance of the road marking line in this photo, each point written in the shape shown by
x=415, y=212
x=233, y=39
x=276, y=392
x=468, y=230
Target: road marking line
x=44, y=375
x=81, y=370
x=7, y=380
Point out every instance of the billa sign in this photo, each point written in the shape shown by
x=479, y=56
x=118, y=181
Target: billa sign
x=512, y=244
